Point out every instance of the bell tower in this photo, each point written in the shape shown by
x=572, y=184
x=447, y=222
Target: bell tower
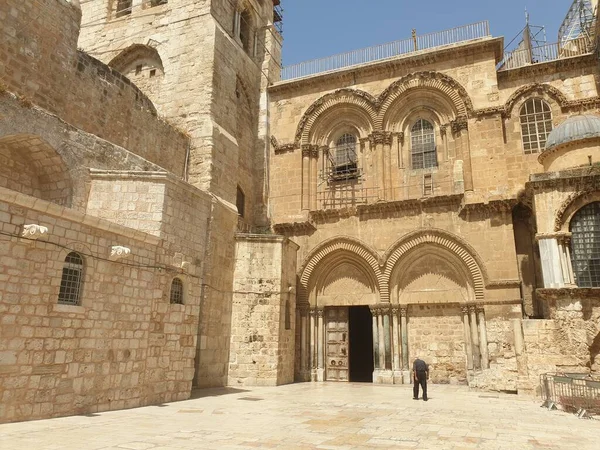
x=206, y=65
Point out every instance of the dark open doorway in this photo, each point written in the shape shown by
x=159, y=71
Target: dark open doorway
x=361, y=344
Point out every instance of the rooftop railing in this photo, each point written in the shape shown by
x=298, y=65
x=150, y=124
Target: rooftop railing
x=546, y=53
x=384, y=51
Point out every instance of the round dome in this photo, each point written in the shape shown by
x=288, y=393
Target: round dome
x=575, y=128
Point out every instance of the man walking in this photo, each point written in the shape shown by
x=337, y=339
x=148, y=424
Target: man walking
x=420, y=376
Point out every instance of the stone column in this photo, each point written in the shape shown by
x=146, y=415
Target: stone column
x=313, y=340
x=404, y=334
x=485, y=359
x=564, y=244
x=304, y=356
x=321, y=346
x=396, y=352
x=467, y=329
x=460, y=128
x=306, y=178
x=381, y=339
x=474, y=338
x=552, y=261
x=375, y=339
x=387, y=338
x=314, y=174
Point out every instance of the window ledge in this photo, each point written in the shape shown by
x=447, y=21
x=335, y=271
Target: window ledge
x=57, y=307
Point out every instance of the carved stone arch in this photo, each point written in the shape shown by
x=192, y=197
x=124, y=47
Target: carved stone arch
x=571, y=205
x=546, y=91
x=34, y=167
x=349, y=245
x=136, y=52
x=432, y=81
x=360, y=100
x=446, y=240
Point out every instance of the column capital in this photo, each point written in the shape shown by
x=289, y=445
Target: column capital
x=380, y=137
x=403, y=310
x=395, y=309
x=472, y=308
x=464, y=309
x=309, y=149
x=320, y=312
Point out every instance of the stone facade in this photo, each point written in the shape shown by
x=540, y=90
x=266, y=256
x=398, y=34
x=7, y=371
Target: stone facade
x=173, y=214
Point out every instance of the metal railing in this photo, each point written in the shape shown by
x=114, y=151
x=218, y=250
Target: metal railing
x=546, y=53
x=389, y=50
x=576, y=393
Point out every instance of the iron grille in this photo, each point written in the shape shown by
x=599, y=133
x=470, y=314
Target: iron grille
x=423, y=149
x=71, y=281
x=585, y=245
x=177, y=292
x=536, y=125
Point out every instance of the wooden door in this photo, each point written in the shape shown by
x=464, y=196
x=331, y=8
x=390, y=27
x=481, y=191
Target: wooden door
x=337, y=339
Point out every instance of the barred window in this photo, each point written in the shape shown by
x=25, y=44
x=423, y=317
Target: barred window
x=344, y=154
x=71, y=282
x=585, y=245
x=423, y=149
x=177, y=292
x=158, y=2
x=536, y=125
x=123, y=8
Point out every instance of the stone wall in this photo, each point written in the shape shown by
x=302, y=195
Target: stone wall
x=436, y=335
x=124, y=346
x=263, y=316
x=39, y=62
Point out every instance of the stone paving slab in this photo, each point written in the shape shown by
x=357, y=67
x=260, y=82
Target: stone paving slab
x=336, y=416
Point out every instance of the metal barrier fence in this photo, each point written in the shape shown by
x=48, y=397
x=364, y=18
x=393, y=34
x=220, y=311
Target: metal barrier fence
x=576, y=393
x=379, y=52
x=546, y=53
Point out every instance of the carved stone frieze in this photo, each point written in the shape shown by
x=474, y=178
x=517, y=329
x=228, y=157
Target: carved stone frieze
x=459, y=124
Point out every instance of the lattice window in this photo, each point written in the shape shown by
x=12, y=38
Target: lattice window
x=123, y=8
x=585, y=245
x=344, y=155
x=536, y=125
x=177, y=292
x=423, y=149
x=71, y=283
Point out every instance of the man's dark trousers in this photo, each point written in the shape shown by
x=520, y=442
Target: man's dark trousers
x=421, y=380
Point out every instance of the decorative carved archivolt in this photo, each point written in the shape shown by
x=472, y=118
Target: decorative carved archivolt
x=534, y=89
x=376, y=107
x=443, y=239
x=574, y=201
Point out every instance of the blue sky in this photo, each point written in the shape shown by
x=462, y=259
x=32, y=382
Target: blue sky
x=318, y=28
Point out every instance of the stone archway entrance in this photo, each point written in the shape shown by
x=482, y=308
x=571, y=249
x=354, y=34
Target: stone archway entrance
x=349, y=344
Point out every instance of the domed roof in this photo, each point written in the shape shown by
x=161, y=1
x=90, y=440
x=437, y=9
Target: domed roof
x=575, y=128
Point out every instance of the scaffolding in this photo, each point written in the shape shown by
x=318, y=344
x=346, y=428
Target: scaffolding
x=579, y=22
x=278, y=16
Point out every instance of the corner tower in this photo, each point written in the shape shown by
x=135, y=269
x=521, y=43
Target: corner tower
x=206, y=65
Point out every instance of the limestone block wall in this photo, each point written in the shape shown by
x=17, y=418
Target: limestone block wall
x=39, y=61
x=263, y=316
x=63, y=153
x=208, y=85
x=125, y=346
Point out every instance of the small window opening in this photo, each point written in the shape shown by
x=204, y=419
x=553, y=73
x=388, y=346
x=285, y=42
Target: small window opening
x=240, y=202
x=123, y=8
x=158, y=2
x=288, y=315
x=152, y=73
x=427, y=184
x=72, y=280
x=138, y=69
x=176, y=292
x=246, y=30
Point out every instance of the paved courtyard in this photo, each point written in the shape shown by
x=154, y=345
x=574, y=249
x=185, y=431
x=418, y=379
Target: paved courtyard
x=316, y=416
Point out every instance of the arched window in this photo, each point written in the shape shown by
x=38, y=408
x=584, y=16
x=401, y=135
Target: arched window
x=123, y=8
x=585, y=245
x=423, y=150
x=343, y=156
x=240, y=202
x=71, y=283
x=176, y=292
x=536, y=125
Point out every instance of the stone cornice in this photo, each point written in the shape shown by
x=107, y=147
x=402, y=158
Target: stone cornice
x=568, y=293
x=558, y=235
x=503, y=284
x=565, y=146
x=546, y=68
x=584, y=178
x=294, y=227
x=410, y=62
x=500, y=205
